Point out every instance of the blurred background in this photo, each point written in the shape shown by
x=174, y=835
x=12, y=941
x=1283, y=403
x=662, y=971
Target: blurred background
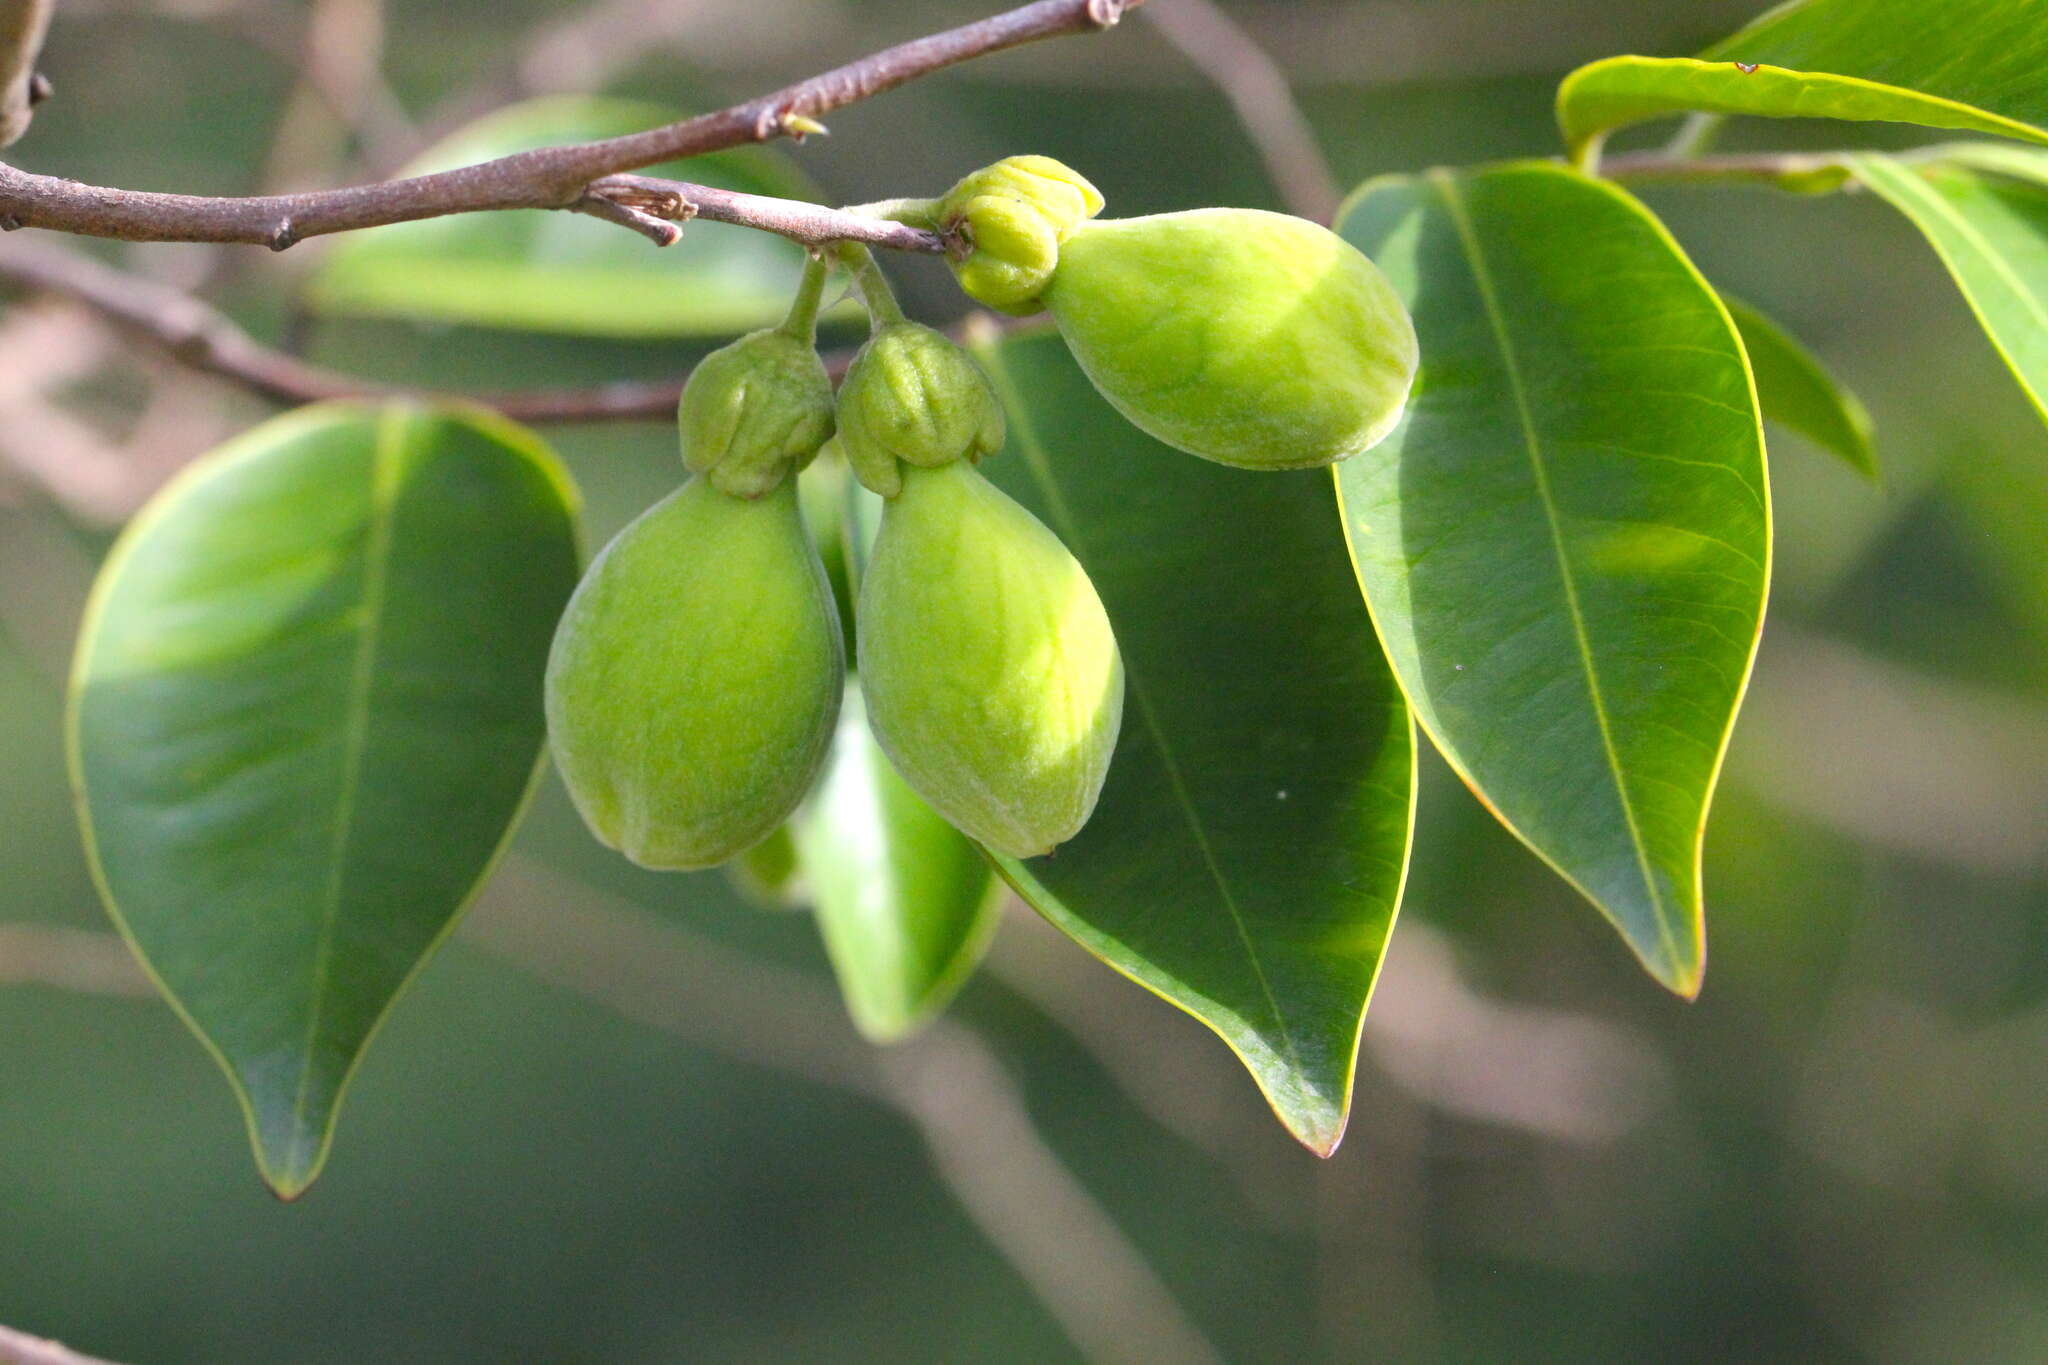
x=622, y=1117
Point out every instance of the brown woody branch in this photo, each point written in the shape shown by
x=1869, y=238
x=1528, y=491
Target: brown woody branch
x=547, y=178
x=201, y=337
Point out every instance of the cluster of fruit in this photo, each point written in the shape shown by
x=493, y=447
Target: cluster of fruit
x=697, y=673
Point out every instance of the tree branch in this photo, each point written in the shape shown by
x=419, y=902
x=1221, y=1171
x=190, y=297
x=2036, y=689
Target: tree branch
x=547, y=178
x=1257, y=89
x=202, y=338
x=812, y=224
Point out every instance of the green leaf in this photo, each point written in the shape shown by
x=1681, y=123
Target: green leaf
x=304, y=715
x=1566, y=543
x=1247, y=856
x=565, y=272
x=906, y=903
x=1796, y=391
x=1992, y=234
x=1980, y=65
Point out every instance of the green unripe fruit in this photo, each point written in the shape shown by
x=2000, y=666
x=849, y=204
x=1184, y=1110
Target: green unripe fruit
x=1013, y=216
x=695, y=677
x=914, y=397
x=1249, y=338
x=991, y=674
x=754, y=412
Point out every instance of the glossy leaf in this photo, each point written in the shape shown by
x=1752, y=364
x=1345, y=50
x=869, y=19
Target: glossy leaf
x=305, y=714
x=1246, y=858
x=1796, y=391
x=1980, y=65
x=1566, y=543
x=906, y=903
x=565, y=272
x=1992, y=233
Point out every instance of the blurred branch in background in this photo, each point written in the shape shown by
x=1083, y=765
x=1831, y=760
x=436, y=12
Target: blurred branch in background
x=983, y=1143
x=1257, y=89
x=18, y=1348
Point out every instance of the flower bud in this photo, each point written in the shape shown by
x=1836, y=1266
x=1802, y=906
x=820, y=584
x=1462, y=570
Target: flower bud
x=755, y=412
x=991, y=674
x=1012, y=217
x=1249, y=338
x=913, y=397
x=695, y=677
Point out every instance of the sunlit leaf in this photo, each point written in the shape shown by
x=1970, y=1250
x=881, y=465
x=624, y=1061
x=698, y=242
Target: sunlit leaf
x=565, y=272
x=1796, y=391
x=1247, y=856
x=906, y=903
x=1980, y=65
x=1566, y=543
x=1991, y=232
x=305, y=713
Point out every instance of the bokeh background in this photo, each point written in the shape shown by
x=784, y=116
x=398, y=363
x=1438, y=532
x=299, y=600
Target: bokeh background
x=621, y=1118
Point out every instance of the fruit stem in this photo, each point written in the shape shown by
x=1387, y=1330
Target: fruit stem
x=802, y=322
x=923, y=213
x=872, y=283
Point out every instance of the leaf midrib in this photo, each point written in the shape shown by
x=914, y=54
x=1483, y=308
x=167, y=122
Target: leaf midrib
x=375, y=581
x=1033, y=453
x=1482, y=276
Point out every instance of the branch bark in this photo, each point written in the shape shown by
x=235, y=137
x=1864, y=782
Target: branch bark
x=547, y=178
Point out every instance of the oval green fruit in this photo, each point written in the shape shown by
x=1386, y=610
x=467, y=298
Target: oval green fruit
x=991, y=674
x=1249, y=338
x=695, y=677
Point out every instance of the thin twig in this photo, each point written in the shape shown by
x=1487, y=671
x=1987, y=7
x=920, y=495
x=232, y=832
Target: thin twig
x=201, y=337
x=811, y=224
x=546, y=178
x=204, y=339
x=19, y=1348
x=1257, y=89
x=1805, y=171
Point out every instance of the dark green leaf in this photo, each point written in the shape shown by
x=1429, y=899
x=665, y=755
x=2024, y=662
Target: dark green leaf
x=1795, y=390
x=1980, y=65
x=906, y=903
x=1246, y=859
x=1566, y=543
x=1992, y=234
x=564, y=272
x=305, y=713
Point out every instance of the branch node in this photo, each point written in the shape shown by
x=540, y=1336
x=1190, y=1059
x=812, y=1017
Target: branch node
x=283, y=236
x=39, y=89
x=1105, y=13
x=9, y=223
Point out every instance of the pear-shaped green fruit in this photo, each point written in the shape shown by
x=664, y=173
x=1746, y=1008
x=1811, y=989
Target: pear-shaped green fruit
x=1249, y=338
x=991, y=674
x=696, y=676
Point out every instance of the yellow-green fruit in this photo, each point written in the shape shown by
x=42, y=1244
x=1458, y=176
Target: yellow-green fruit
x=695, y=677
x=1013, y=216
x=991, y=675
x=1248, y=338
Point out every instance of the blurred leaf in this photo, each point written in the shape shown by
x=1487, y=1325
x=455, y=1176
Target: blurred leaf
x=906, y=903
x=565, y=272
x=1992, y=234
x=1566, y=543
x=1796, y=391
x=1980, y=65
x=305, y=713
x=767, y=875
x=1246, y=859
